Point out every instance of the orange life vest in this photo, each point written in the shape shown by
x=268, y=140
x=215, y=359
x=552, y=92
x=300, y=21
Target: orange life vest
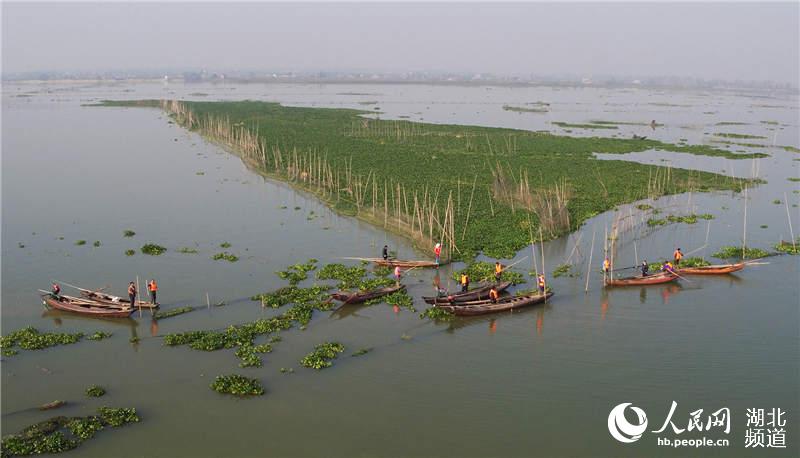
x=438, y=250
x=493, y=295
x=678, y=255
x=464, y=279
x=541, y=281
x=606, y=264
x=153, y=286
x=498, y=268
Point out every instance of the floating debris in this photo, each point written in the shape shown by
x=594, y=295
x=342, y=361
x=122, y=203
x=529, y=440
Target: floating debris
x=128, y=233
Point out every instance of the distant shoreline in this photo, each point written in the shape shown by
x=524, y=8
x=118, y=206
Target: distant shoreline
x=455, y=83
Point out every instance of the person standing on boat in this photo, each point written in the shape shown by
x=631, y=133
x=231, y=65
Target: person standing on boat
x=57, y=291
x=542, y=284
x=498, y=271
x=606, y=265
x=152, y=286
x=132, y=293
x=677, y=256
x=397, y=274
x=464, y=282
x=385, y=252
x=437, y=252
x=645, y=268
x=493, y=294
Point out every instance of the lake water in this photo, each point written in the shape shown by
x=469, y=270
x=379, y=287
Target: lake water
x=537, y=382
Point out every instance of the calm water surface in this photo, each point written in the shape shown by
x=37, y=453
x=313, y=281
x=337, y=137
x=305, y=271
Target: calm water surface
x=538, y=382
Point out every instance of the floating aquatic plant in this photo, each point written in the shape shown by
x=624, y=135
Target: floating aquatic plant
x=735, y=252
x=437, y=314
x=152, y=249
x=225, y=256
x=224, y=245
x=59, y=434
x=298, y=272
x=128, y=233
x=187, y=250
x=322, y=355
x=130, y=252
x=237, y=385
x=561, y=270
x=80, y=242
x=99, y=335
x=788, y=247
x=95, y=391
x=96, y=243
x=362, y=352
x=31, y=339
x=161, y=314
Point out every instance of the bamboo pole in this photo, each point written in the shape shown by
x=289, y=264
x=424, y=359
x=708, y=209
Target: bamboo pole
x=139, y=295
x=469, y=208
x=589, y=265
x=789, y=219
x=744, y=226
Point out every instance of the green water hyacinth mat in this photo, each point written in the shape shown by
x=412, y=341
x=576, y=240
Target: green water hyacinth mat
x=59, y=434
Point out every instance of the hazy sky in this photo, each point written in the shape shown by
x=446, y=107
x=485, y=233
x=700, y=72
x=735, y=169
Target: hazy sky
x=726, y=40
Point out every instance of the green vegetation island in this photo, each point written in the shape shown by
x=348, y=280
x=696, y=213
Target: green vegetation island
x=475, y=189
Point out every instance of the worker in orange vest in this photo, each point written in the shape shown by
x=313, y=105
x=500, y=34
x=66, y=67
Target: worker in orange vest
x=541, y=283
x=464, y=282
x=153, y=288
x=493, y=294
x=678, y=255
x=498, y=271
x=397, y=274
x=606, y=265
x=437, y=252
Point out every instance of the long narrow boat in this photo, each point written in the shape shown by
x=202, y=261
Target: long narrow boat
x=363, y=296
x=114, y=300
x=501, y=306
x=476, y=294
x=401, y=263
x=68, y=304
x=654, y=279
x=719, y=269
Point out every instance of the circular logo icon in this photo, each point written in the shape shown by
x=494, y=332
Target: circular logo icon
x=623, y=430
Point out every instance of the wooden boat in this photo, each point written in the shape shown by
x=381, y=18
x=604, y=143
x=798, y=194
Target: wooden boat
x=654, y=279
x=75, y=305
x=114, y=300
x=476, y=294
x=363, y=296
x=401, y=263
x=719, y=269
x=484, y=307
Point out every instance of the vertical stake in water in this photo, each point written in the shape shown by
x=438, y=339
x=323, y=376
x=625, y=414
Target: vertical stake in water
x=208, y=301
x=744, y=226
x=589, y=265
x=789, y=218
x=139, y=291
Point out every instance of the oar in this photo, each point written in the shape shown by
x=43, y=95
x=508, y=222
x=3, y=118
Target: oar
x=514, y=264
x=79, y=288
